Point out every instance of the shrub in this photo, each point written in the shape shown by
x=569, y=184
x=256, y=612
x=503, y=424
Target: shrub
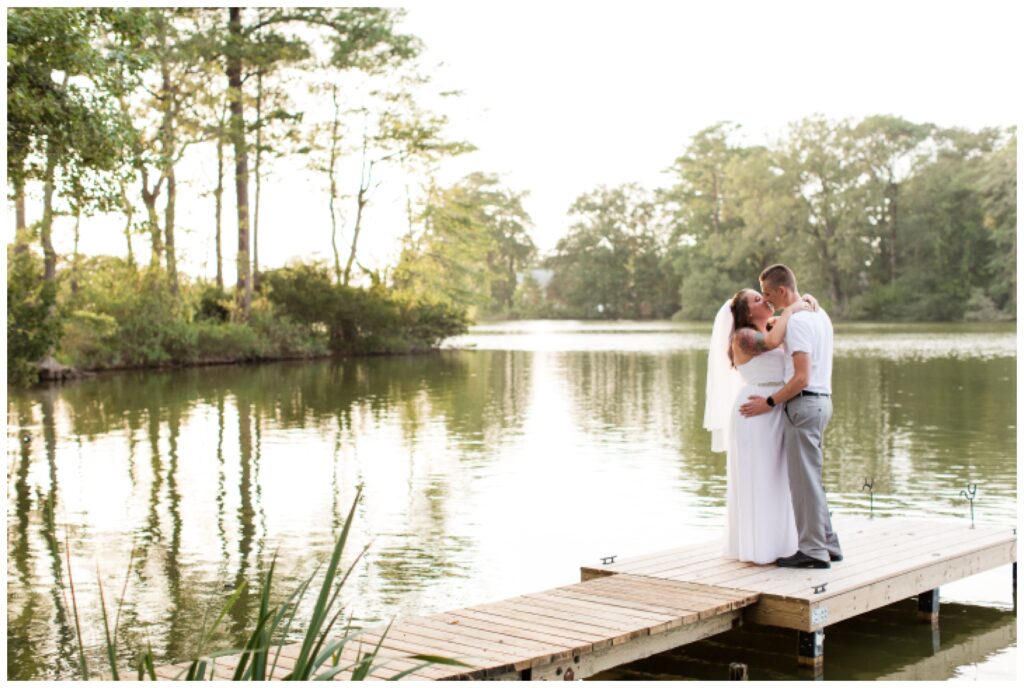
x=33, y=320
x=212, y=302
x=227, y=341
x=152, y=321
x=981, y=308
x=86, y=338
x=359, y=320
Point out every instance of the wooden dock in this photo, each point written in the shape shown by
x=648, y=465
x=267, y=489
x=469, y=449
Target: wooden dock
x=637, y=607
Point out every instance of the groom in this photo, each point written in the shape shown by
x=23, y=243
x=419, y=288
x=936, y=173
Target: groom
x=807, y=401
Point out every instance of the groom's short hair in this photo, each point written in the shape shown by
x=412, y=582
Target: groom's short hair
x=778, y=275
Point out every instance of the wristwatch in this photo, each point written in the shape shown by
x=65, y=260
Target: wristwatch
x=771, y=402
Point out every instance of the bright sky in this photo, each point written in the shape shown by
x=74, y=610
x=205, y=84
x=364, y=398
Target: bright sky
x=563, y=97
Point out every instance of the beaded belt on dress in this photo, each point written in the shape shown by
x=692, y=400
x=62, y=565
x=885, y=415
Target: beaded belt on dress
x=766, y=384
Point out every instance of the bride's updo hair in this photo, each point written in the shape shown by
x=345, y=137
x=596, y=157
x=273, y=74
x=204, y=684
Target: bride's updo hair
x=740, y=308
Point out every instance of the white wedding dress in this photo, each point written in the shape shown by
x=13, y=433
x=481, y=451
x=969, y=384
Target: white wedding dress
x=760, y=526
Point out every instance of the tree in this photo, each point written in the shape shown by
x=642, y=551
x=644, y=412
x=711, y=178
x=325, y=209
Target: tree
x=888, y=149
x=612, y=263
x=998, y=188
x=68, y=132
x=32, y=331
x=514, y=249
x=823, y=178
x=167, y=118
x=361, y=37
x=325, y=147
x=945, y=236
x=474, y=233
x=396, y=132
x=728, y=212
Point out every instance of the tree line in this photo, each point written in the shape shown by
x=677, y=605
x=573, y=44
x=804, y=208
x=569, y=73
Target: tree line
x=882, y=218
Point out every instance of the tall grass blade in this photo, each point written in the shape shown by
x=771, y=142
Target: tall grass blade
x=302, y=664
x=111, y=644
x=146, y=663
x=124, y=589
x=259, y=659
x=220, y=617
x=364, y=666
x=337, y=590
x=74, y=607
x=336, y=647
x=196, y=670
x=252, y=651
x=298, y=595
x=331, y=673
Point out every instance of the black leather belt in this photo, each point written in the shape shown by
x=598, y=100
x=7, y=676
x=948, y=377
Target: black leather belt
x=805, y=393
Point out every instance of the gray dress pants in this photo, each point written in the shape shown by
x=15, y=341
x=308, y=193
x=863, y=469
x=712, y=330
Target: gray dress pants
x=806, y=419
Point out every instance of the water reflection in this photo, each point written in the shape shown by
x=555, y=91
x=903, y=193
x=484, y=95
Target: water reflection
x=887, y=644
x=487, y=473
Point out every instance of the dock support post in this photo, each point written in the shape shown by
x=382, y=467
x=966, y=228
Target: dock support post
x=738, y=672
x=811, y=648
x=928, y=606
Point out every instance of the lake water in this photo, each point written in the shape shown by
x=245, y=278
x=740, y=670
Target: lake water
x=489, y=471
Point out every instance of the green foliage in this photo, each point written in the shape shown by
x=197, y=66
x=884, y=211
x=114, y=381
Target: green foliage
x=613, y=262
x=530, y=300
x=701, y=290
x=149, y=323
x=881, y=219
x=474, y=244
x=998, y=188
x=76, y=124
x=123, y=317
x=33, y=322
x=213, y=303
x=360, y=320
x=120, y=316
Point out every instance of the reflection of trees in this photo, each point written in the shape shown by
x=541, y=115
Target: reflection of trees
x=65, y=660
x=475, y=392
x=242, y=609
x=483, y=398
x=634, y=395
x=221, y=486
x=23, y=601
x=924, y=428
x=476, y=396
x=919, y=427
x=702, y=469
x=37, y=643
x=178, y=638
x=861, y=438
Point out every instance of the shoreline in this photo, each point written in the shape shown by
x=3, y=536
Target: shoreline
x=72, y=374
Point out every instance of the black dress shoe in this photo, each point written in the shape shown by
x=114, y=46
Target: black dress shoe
x=802, y=561
x=835, y=557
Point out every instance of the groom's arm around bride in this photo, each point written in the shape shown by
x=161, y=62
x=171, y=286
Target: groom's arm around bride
x=806, y=398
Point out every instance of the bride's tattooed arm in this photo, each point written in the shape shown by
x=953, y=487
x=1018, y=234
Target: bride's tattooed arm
x=751, y=341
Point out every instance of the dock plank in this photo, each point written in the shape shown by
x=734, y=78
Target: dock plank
x=885, y=560
x=650, y=603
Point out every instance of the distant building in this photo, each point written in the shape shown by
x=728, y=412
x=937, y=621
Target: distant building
x=541, y=276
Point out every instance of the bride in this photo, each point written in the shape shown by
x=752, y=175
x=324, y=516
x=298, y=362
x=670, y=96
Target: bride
x=746, y=358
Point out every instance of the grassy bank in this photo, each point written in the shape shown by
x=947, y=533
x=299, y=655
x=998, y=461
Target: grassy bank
x=105, y=313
